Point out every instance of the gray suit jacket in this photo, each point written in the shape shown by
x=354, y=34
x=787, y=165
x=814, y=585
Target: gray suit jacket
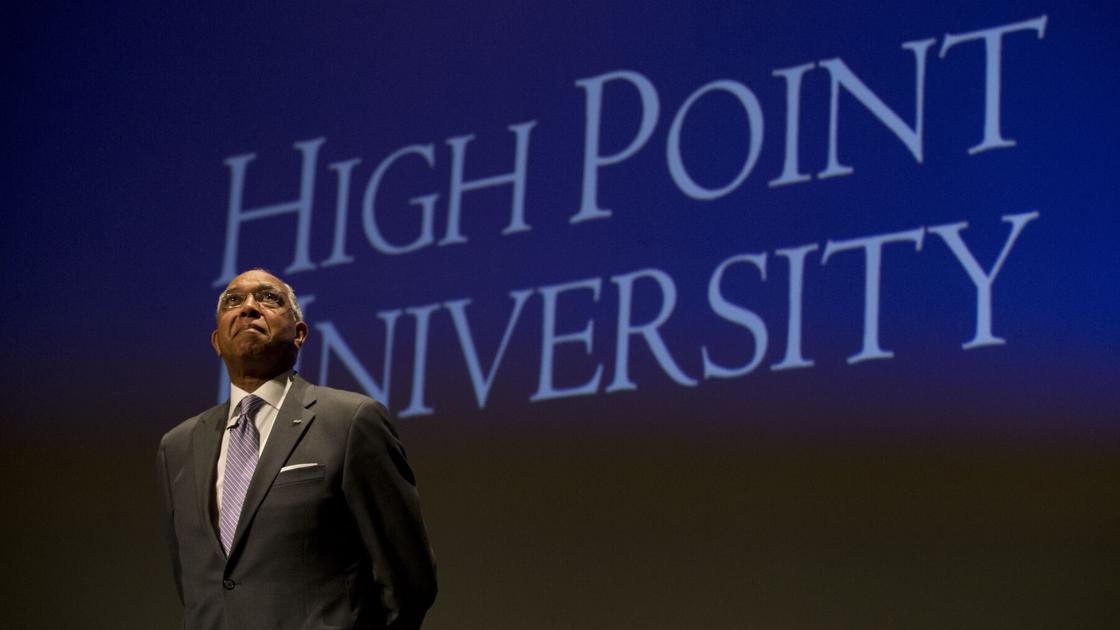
x=340, y=544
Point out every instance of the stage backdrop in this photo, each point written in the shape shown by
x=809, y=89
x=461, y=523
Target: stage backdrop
x=691, y=314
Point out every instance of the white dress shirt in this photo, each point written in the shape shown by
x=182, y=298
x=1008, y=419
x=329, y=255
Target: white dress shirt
x=273, y=393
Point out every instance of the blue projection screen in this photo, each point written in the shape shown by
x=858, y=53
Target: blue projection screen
x=692, y=315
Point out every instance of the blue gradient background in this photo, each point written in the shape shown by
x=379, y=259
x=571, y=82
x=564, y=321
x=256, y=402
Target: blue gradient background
x=944, y=487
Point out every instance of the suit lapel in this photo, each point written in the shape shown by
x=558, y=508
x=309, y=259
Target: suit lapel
x=207, y=441
x=291, y=422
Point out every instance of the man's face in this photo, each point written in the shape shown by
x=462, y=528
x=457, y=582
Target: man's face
x=256, y=326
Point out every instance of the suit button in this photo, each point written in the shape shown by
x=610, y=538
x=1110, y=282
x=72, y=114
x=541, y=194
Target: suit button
x=229, y=584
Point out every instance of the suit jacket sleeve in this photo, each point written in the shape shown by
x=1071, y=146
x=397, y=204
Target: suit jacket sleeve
x=380, y=490
x=168, y=518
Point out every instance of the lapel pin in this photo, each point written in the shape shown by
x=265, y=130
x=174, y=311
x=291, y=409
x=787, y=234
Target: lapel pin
x=297, y=421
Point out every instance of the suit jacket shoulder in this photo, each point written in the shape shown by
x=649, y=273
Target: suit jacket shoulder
x=180, y=445
x=180, y=433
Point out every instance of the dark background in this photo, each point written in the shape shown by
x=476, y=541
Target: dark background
x=941, y=488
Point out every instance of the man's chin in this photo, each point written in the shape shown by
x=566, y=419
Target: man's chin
x=247, y=349
x=264, y=356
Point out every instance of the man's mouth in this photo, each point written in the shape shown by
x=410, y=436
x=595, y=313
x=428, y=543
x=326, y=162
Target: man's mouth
x=257, y=328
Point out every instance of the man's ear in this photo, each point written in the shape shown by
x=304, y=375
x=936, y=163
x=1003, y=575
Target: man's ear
x=214, y=343
x=301, y=334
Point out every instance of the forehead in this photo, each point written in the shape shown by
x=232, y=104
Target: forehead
x=254, y=279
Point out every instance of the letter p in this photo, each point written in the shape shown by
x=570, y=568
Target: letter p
x=592, y=159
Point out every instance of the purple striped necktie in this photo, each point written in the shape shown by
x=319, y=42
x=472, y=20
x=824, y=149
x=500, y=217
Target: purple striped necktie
x=241, y=460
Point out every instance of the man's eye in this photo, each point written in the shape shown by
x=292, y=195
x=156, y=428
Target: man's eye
x=270, y=298
x=233, y=300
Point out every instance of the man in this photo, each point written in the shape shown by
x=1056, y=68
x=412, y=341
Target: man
x=291, y=505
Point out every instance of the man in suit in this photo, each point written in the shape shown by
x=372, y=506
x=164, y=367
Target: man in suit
x=291, y=505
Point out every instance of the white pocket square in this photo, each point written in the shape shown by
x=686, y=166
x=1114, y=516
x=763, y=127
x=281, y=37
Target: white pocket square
x=297, y=466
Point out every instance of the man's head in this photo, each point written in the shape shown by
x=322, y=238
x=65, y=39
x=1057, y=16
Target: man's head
x=260, y=326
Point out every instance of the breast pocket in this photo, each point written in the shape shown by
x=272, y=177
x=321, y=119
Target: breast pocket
x=299, y=474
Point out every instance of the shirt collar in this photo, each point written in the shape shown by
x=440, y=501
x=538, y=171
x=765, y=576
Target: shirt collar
x=272, y=392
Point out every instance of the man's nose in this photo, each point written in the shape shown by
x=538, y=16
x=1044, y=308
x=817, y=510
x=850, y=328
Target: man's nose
x=249, y=307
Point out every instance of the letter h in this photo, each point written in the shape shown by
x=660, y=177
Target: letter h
x=301, y=261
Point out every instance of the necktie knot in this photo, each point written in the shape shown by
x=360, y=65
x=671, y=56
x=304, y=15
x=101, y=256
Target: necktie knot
x=249, y=406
